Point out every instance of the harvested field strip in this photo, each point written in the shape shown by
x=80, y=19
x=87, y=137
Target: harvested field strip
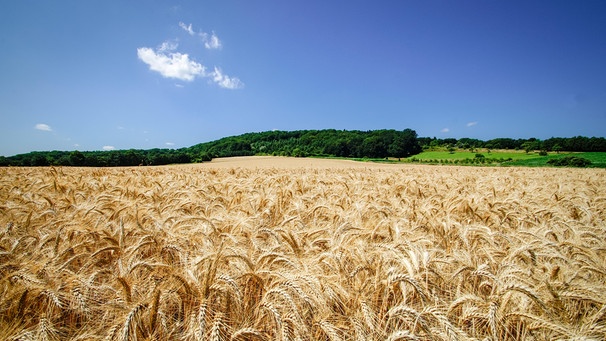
x=244, y=251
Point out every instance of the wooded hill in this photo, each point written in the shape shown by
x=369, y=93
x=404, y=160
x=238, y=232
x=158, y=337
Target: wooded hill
x=299, y=143
x=329, y=142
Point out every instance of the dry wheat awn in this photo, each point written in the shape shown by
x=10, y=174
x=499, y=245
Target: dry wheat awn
x=335, y=252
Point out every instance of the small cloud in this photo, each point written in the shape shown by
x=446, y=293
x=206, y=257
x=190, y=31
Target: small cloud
x=168, y=46
x=120, y=128
x=211, y=42
x=471, y=124
x=179, y=85
x=43, y=127
x=107, y=148
x=169, y=144
x=187, y=28
x=76, y=145
x=225, y=81
x=171, y=65
x=445, y=130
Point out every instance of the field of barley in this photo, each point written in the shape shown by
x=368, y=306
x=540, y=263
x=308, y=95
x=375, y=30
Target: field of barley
x=300, y=249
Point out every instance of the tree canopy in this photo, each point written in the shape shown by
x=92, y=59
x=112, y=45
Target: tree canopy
x=129, y=157
x=329, y=142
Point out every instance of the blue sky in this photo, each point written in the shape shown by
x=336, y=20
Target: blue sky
x=94, y=75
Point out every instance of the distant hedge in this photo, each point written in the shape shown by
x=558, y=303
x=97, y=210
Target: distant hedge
x=113, y=158
x=569, y=161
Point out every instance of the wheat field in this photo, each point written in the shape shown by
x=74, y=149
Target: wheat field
x=285, y=249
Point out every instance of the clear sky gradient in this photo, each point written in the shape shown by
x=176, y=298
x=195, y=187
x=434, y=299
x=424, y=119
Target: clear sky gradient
x=93, y=75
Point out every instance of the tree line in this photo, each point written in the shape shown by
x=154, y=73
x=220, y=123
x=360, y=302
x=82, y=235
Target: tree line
x=113, y=158
x=328, y=142
x=300, y=143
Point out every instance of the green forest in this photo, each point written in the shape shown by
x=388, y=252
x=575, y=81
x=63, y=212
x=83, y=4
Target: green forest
x=330, y=142
x=300, y=143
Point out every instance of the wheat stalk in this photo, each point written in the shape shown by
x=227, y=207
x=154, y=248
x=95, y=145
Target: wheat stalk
x=365, y=251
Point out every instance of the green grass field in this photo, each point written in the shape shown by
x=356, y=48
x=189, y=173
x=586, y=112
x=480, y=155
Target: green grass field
x=461, y=155
x=504, y=158
x=598, y=160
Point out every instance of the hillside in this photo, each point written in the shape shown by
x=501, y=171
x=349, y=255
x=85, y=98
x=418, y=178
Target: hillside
x=329, y=142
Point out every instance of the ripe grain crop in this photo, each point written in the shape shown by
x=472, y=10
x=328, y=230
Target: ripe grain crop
x=334, y=251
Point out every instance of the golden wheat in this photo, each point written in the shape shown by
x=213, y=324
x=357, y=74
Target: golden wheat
x=281, y=251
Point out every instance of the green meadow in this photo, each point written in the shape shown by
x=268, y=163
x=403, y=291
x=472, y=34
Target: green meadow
x=598, y=159
x=461, y=155
x=502, y=157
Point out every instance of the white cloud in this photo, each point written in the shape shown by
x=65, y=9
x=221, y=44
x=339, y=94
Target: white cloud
x=169, y=143
x=225, y=81
x=187, y=28
x=106, y=148
x=212, y=42
x=445, y=130
x=171, y=65
x=471, y=124
x=43, y=127
x=168, y=46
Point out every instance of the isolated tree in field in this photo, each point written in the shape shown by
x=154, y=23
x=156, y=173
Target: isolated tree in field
x=531, y=144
